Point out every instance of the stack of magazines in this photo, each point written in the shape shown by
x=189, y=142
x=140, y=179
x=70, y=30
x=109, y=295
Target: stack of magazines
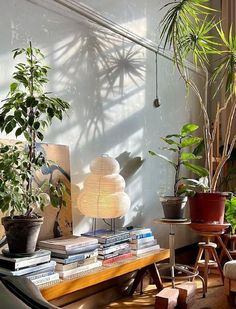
x=73, y=254
x=142, y=241
x=38, y=267
x=113, y=246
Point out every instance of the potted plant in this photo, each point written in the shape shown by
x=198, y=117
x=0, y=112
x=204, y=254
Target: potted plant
x=173, y=206
x=189, y=29
x=28, y=110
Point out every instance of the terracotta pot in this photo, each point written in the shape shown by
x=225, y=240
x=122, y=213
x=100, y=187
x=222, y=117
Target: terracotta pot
x=22, y=233
x=173, y=207
x=207, y=207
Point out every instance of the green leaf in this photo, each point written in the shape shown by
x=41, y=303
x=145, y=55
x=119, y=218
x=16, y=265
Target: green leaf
x=186, y=156
x=166, y=159
x=13, y=87
x=188, y=128
x=189, y=141
x=196, y=169
x=170, y=141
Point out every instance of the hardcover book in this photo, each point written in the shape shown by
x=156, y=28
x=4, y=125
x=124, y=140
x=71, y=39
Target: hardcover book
x=142, y=240
x=28, y=270
x=74, y=271
x=113, y=248
x=107, y=236
x=141, y=235
x=143, y=245
x=67, y=242
x=145, y=250
x=113, y=254
x=76, y=257
x=46, y=279
x=41, y=256
x=117, y=258
x=63, y=267
x=76, y=250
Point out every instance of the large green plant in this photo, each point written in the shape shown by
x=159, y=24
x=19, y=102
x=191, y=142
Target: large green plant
x=230, y=213
x=28, y=110
x=177, y=144
x=190, y=31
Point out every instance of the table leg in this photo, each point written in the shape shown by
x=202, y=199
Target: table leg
x=138, y=278
x=172, y=253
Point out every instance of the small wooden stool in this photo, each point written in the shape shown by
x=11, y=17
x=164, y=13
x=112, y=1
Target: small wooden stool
x=229, y=240
x=209, y=248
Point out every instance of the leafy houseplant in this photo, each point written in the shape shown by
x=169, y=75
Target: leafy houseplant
x=230, y=213
x=190, y=30
x=28, y=110
x=173, y=206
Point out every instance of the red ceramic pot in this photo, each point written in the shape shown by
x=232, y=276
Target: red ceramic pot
x=207, y=207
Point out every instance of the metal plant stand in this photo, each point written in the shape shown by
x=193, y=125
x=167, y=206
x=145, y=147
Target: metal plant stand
x=172, y=271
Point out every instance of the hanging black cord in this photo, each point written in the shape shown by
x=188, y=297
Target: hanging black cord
x=156, y=102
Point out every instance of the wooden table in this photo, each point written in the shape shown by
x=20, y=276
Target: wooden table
x=103, y=273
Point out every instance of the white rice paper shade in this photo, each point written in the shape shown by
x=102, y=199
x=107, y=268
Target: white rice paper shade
x=103, y=195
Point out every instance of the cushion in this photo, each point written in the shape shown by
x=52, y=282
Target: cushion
x=230, y=270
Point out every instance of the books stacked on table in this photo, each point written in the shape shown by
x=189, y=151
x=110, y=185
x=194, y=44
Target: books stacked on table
x=38, y=267
x=142, y=241
x=113, y=246
x=73, y=254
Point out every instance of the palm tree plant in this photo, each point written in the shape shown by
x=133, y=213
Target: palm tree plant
x=28, y=110
x=191, y=31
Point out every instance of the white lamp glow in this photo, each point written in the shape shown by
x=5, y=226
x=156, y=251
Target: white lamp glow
x=103, y=195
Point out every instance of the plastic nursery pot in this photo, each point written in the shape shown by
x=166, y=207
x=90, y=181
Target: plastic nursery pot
x=173, y=207
x=207, y=207
x=22, y=233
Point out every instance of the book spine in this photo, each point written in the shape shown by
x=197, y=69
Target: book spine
x=111, y=239
x=140, y=231
x=31, y=262
x=145, y=250
x=117, y=258
x=113, y=254
x=113, y=248
x=143, y=245
x=63, y=267
x=46, y=279
x=144, y=235
x=76, y=258
x=40, y=275
x=72, y=272
x=142, y=240
x=122, y=241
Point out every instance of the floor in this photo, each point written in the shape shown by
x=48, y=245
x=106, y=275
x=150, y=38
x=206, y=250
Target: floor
x=215, y=298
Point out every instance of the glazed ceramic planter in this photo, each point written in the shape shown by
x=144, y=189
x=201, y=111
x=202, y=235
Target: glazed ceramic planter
x=207, y=208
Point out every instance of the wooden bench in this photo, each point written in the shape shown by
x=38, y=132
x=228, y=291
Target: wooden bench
x=103, y=273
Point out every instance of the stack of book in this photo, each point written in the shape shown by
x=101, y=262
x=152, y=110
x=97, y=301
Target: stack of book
x=38, y=267
x=73, y=254
x=113, y=246
x=142, y=241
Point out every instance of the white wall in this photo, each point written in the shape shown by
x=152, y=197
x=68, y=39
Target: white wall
x=111, y=111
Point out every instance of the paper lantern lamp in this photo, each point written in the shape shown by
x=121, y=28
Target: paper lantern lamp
x=103, y=195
